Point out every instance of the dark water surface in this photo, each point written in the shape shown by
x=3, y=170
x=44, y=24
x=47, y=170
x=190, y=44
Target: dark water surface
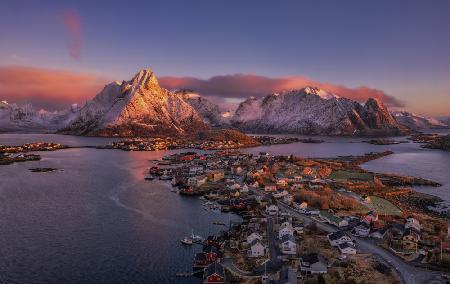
x=98, y=221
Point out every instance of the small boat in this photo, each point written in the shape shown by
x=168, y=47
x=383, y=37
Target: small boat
x=164, y=177
x=187, y=241
x=219, y=223
x=196, y=238
x=149, y=177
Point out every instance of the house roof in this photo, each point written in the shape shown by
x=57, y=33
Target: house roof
x=286, y=238
x=201, y=256
x=347, y=245
x=331, y=217
x=256, y=241
x=337, y=235
x=214, y=268
x=313, y=258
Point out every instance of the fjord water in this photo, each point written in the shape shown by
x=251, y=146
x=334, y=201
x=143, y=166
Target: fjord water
x=98, y=221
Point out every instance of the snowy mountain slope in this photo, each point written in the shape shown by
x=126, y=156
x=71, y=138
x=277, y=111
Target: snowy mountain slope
x=139, y=107
x=209, y=111
x=418, y=122
x=316, y=112
x=25, y=118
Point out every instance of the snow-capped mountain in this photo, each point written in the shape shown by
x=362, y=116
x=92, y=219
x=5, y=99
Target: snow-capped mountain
x=209, y=112
x=26, y=118
x=139, y=107
x=417, y=122
x=315, y=112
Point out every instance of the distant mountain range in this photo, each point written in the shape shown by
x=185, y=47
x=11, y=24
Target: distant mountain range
x=315, y=112
x=140, y=107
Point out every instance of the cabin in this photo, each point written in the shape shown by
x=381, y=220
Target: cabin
x=288, y=245
x=211, y=253
x=214, y=274
x=338, y=238
x=347, y=248
x=257, y=249
x=200, y=261
x=313, y=263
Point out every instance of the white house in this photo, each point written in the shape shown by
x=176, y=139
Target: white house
x=257, y=249
x=288, y=245
x=378, y=234
x=347, y=248
x=338, y=238
x=197, y=180
x=252, y=237
x=272, y=210
x=280, y=194
x=412, y=223
x=285, y=229
x=244, y=189
x=362, y=230
x=313, y=264
x=196, y=169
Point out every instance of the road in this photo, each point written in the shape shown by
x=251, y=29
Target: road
x=408, y=273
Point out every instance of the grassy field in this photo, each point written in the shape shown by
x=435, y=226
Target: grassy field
x=384, y=207
x=345, y=175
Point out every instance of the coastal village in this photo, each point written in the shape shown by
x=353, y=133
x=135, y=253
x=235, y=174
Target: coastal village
x=306, y=220
x=303, y=220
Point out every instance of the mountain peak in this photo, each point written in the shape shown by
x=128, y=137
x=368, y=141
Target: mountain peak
x=309, y=90
x=145, y=78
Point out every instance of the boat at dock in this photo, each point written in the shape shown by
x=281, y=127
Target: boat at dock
x=165, y=177
x=187, y=241
x=149, y=177
x=196, y=238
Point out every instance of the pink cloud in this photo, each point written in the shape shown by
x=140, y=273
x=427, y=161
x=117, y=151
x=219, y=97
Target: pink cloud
x=50, y=89
x=245, y=85
x=72, y=23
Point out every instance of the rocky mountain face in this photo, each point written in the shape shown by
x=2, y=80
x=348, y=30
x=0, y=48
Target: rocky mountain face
x=313, y=111
x=139, y=107
x=208, y=111
x=418, y=122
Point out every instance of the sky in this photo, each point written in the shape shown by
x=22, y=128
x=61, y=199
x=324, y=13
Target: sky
x=54, y=53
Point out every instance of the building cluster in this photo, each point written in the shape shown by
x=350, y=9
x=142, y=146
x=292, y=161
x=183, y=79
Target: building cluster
x=260, y=187
x=168, y=143
x=29, y=147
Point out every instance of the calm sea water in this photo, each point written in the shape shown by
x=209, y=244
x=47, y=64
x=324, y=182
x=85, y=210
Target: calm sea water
x=98, y=221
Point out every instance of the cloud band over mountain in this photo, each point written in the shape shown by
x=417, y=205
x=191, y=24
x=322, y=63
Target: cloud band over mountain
x=56, y=89
x=244, y=85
